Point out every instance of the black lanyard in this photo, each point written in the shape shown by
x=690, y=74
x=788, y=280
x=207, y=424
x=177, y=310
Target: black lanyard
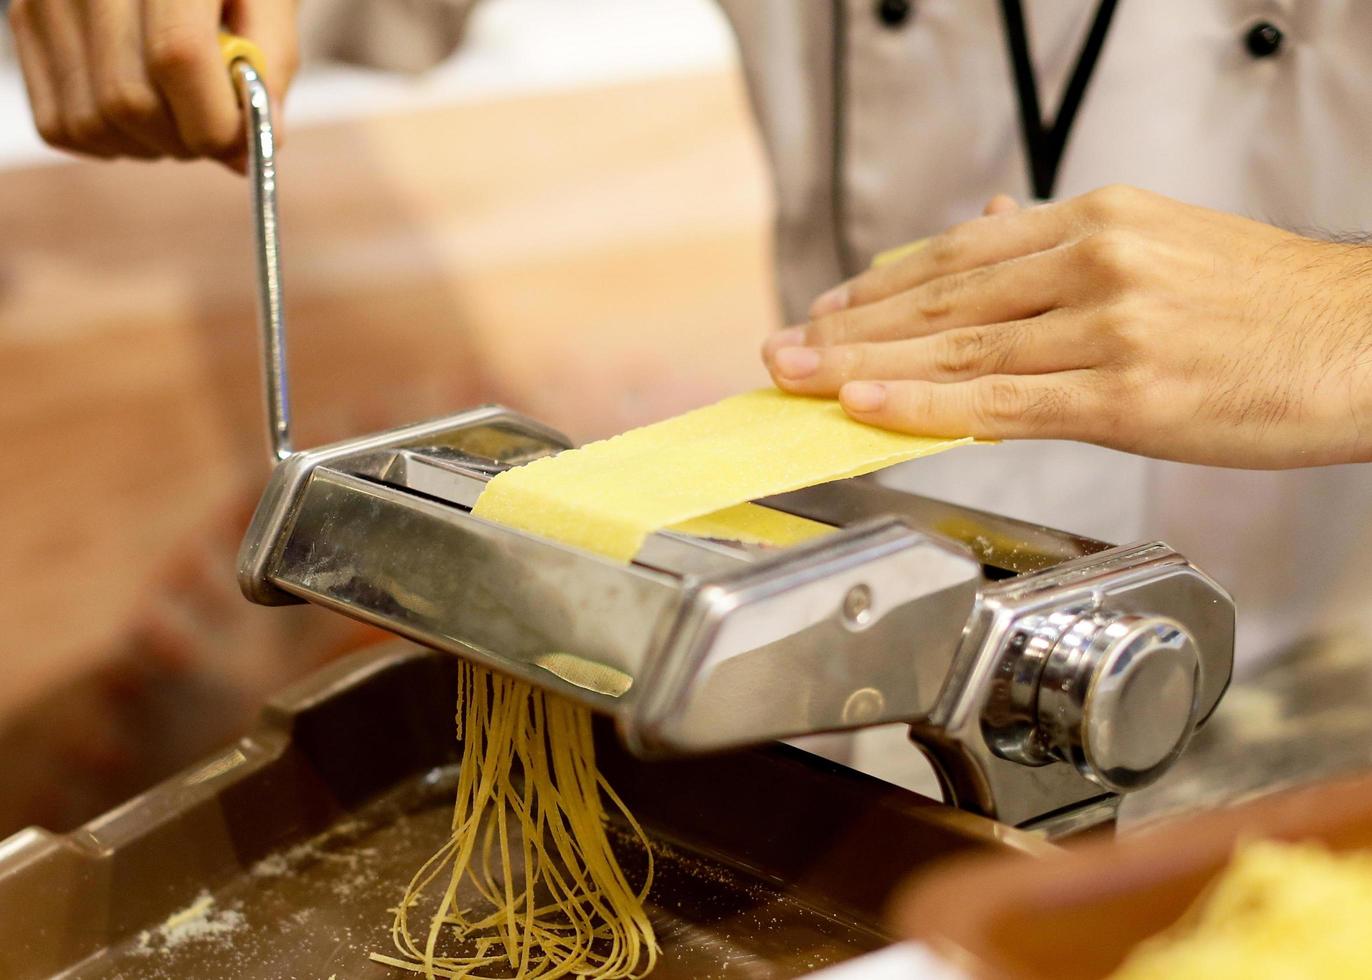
x=1044, y=145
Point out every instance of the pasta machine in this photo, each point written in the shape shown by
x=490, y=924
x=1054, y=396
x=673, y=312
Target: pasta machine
x=1038, y=670
x=1043, y=673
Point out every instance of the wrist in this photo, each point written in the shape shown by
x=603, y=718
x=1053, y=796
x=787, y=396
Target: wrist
x=1356, y=353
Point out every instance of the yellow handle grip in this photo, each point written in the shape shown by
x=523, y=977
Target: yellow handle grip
x=232, y=48
x=898, y=253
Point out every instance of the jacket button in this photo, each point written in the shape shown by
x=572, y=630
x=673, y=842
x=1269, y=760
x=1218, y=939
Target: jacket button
x=1263, y=39
x=893, y=13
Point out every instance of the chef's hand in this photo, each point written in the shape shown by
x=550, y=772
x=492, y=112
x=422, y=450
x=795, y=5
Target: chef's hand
x=144, y=78
x=1121, y=318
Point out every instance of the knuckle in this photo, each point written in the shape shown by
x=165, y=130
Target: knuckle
x=50, y=128
x=1048, y=410
x=1110, y=255
x=173, y=52
x=946, y=249
x=1117, y=335
x=853, y=361
x=818, y=332
x=127, y=104
x=934, y=300
x=1110, y=202
x=1049, y=407
x=1001, y=400
x=1001, y=344
x=87, y=128
x=939, y=299
x=53, y=133
x=963, y=352
x=921, y=402
x=873, y=284
x=836, y=328
x=1004, y=403
x=215, y=140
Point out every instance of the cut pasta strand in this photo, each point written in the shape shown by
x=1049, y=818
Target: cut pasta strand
x=527, y=885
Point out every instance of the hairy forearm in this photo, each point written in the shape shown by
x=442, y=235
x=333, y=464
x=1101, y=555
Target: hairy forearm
x=1347, y=322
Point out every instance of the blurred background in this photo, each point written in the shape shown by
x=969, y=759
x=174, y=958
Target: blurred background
x=564, y=210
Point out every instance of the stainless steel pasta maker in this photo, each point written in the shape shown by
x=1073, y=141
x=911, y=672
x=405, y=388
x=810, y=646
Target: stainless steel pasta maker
x=1043, y=673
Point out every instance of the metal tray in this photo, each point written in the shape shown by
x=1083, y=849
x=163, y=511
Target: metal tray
x=280, y=856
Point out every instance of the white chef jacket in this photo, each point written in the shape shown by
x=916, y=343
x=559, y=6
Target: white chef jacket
x=880, y=134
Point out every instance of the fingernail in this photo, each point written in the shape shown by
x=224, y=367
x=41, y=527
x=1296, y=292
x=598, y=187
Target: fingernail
x=831, y=302
x=862, y=396
x=790, y=337
x=795, y=363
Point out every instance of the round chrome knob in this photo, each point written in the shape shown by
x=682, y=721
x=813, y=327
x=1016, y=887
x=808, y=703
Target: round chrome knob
x=1117, y=697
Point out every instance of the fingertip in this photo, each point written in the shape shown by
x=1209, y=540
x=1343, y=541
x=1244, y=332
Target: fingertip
x=789, y=337
x=832, y=301
x=863, y=397
x=796, y=363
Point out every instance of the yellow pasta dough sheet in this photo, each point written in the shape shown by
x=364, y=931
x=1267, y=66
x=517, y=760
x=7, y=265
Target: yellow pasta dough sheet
x=695, y=473
x=754, y=525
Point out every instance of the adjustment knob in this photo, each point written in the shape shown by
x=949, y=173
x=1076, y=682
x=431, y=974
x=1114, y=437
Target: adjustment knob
x=1117, y=697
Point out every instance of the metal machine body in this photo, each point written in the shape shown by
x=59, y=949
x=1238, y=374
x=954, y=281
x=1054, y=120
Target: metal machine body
x=1043, y=673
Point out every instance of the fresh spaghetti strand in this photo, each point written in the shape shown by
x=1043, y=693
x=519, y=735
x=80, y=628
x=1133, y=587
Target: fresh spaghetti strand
x=529, y=851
